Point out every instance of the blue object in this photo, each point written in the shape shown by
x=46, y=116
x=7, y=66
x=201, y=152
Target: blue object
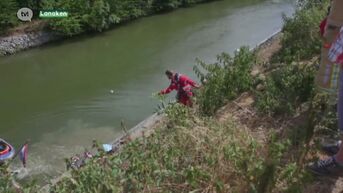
x=6, y=151
x=107, y=147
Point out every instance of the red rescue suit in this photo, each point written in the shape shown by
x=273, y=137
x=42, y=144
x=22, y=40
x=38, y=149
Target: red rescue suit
x=183, y=85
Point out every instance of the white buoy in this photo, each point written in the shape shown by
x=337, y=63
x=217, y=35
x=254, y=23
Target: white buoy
x=112, y=91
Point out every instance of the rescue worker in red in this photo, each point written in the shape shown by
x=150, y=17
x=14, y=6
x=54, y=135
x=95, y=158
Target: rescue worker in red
x=183, y=85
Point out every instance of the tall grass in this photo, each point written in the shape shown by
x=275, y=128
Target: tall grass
x=197, y=154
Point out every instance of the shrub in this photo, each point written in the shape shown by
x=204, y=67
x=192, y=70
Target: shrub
x=286, y=88
x=225, y=79
x=100, y=176
x=301, y=39
x=85, y=15
x=68, y=26
x=97, y=15
x=8, y=17
x=9, y=185
x=205, y=155
x=130, y=9
x=162, y=5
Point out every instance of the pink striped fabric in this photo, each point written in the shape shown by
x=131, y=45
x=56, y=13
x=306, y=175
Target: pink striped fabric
x=336, y=50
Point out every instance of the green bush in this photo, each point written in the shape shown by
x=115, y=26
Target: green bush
x=85, y=15
x=301, y=39
x=100, y=176
x=68, y=26
x=130, y=9
x=97, y=15
x=8, y=14
x=286, y=88
x=8, y=183
x=162, y=5
x=225, y=79
x=5, y=180
x=88, y=15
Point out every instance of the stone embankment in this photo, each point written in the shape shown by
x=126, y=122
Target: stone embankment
x=22, y=41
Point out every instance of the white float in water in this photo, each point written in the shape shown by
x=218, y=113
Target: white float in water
x=112, y=91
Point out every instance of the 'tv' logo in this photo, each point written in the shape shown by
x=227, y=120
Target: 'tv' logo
x=25, y=14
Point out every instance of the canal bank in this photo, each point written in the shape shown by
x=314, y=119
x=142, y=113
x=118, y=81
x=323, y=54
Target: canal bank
x=158, y=120
x=60, y=95
x=24, y=40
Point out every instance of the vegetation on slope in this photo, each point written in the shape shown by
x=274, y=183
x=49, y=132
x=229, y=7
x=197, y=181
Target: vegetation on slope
x=194, y=152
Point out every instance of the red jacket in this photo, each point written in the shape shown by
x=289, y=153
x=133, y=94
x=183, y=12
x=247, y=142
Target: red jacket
x=322, y=26
x=180, y=83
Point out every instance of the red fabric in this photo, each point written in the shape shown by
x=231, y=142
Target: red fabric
x=185, y=100
x=170, y=88
x=327, y=45
x=340, y=59
x=184, y=87
x=183, y=82
x=5, y=150
x=322, y=26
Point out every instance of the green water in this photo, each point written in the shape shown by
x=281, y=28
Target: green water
x=58, y=95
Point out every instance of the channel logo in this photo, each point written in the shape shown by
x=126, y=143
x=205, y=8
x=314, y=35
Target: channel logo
x=25, y=14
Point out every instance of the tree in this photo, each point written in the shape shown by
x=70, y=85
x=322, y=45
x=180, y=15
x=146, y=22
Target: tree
x=162, y=5
x=8, y=14
x=99, y=17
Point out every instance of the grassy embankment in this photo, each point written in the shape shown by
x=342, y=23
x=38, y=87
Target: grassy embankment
x=253, y=129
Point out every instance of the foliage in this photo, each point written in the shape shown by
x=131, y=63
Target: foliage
x=177, y=114
x=5, y=180
x=203, y=155
x=98, y=15
x=308, y=4
x=196, y=154
x=100, y=176
x=286, y=88
x=34, y=5
x=225, y=79
x=276, y=149
x=8, y=14
x=130, y=9
x=69, y=26
x=301, y=39
x=324, y=118
x=9, y=185
x=88, y=15
x=84, y=16
x=161, y=5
